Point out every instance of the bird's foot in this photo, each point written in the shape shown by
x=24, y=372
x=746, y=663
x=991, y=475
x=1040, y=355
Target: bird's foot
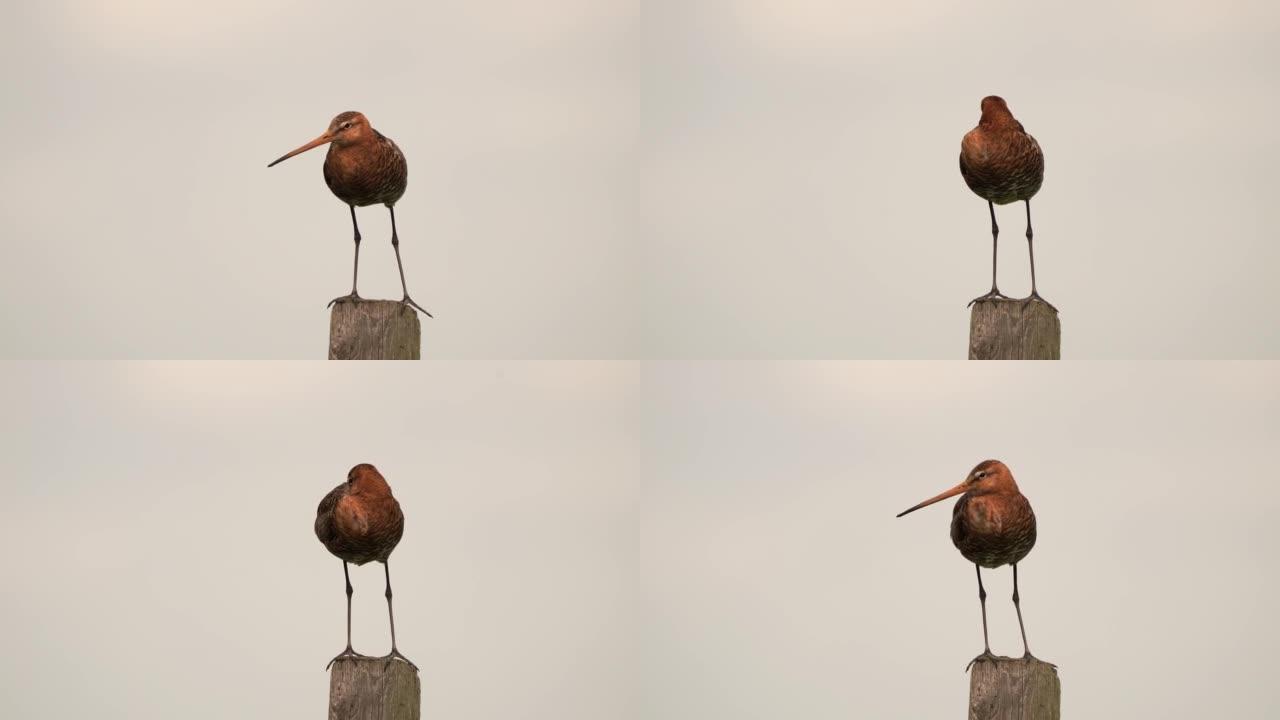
x=1035, y=297
x=396, y=654
x=347, y=654
x=1028, y=657
x=995, y=294
x=986, y=656
x=408, y=302
x=352, y=298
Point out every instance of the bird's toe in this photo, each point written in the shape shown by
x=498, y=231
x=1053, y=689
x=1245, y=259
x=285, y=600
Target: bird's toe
x=395, y=654
x=409, y=302
x=986, y=656
x=352, y=298
x=993, y=295
x=347, y=654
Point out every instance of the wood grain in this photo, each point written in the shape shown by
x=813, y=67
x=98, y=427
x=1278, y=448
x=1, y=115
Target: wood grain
x=1014, y=330
x=1014, y=689
x=374, y=330
x=374, y=689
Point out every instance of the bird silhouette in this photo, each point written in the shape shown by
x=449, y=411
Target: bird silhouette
x=360, y=521
x=1002, y=164
x=992, y=524
x=363, y=167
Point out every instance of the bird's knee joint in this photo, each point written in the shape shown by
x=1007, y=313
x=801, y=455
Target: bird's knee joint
x=982, y=594
x=388, y=593
x=395, y=241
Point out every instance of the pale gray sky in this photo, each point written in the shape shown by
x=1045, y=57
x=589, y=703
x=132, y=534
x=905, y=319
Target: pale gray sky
x=161, y=561
x=636, y=540
x=142, y=221
x=778, y=582
x=613, y=179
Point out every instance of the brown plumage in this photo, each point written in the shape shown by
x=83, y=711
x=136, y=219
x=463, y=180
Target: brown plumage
x=363, y=167
x=992, y=524
x=1002, y=163
x=360, y=521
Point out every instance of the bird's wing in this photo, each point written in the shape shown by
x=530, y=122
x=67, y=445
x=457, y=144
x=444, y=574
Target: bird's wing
x=394, y=529
x=328, y=502
x=324, y=513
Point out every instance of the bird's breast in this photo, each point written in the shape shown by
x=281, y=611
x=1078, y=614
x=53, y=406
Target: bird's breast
x=993, y=530
x=366, y=174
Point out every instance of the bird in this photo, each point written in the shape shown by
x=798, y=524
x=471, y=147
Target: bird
x=992, y=524
x=360, y=521
x=363, y=167
x=1002, y=163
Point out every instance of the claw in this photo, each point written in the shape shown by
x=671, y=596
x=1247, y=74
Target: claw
x=995, y=294
x=986, y=656
x=408, y=302
x=1035, y=297
x=396, y=654
x=1028, y=657
x=347, y=654
x=353, y=298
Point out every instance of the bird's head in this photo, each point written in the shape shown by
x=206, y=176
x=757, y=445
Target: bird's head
x=988, y=476
x=995, y=112
x=347, y=128
x=366, y=478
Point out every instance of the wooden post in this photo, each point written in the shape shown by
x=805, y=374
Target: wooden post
x=374, y=330
x=1014, y=330
x=1014, y=689
x=374, y=689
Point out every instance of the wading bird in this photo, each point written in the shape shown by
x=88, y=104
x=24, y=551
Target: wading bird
x=991, y=525
x=1001, y=163
x=359, y=521
x=363, y=167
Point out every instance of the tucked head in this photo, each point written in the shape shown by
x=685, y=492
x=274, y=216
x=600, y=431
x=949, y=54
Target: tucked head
x=347, y=128
x=366, y=478
x=988, y=476
x=995, y=111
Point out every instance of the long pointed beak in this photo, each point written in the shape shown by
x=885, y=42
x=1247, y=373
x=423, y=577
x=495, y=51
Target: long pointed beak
x=325, y=138
x=941, y=496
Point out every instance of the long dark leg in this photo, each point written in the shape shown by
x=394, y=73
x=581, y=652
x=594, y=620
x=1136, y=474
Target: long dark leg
x=986, y=645
x=1026, y=650
x=395, y=243
x=995, y=242
x=348, y=652
x=392, y=617
x=1031, y=251
x=355, y=269
x=346, y=575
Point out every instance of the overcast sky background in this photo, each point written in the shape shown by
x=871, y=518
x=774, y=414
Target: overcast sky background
x=636, y=541
x=611, y=179
x=162, y=561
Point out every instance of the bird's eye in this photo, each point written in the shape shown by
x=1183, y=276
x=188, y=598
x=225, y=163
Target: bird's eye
x=346, y=125
x=979, y=475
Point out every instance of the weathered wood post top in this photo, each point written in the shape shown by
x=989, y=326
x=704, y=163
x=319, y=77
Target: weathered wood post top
x=1014, y=689
x=374, y=689
x=1002, y=329
x=374, y=330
